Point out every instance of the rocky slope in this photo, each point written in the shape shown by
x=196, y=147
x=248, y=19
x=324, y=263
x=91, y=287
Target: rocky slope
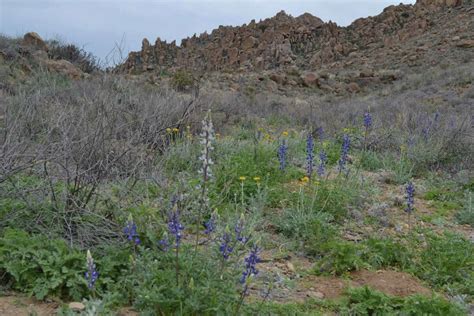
x=285, y=52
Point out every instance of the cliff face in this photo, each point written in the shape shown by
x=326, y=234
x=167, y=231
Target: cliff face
x=401, y=35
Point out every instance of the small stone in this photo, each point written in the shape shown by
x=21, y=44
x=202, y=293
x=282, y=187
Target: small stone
x=310, y=79
x=77, y=306
x=466, y=43
x=290, y=266
x=353, y=87
x=315, y=294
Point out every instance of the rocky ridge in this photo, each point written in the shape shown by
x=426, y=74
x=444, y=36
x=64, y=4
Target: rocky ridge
x=285, y=51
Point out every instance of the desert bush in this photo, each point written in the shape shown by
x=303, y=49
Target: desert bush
x=339, y=257
x=466, y=214
x=76, y=137
x=84, y=60
x=452, y=268
x=182, y=80
x=365, y=301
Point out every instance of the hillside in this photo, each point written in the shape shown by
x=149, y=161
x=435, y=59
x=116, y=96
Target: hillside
x=284, y=167
x=305, y=51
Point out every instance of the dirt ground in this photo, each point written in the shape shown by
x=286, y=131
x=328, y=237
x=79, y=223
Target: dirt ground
x=18, y=305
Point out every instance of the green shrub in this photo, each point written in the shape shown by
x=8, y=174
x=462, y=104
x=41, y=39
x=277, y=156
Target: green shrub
x=466, y=214
x=182, y=80
x=448, y=263
x=41, y=266
x=365, y=301
x=339, y=257
x=203, y=290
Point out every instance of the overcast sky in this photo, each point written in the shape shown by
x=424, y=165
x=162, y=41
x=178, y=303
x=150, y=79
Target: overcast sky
x=98, y=25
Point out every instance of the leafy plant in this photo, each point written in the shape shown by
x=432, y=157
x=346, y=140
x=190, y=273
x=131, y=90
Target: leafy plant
x=365, y=301
x=41, y=266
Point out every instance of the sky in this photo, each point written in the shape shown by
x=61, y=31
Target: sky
x=99, y=26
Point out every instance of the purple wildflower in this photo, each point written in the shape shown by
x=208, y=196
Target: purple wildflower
x=321, y=134
x=367, y=120
x=130, y=230
x=436, y=117
x=210, y=224
x=282, y=150
x=250, y=269
x=426, y=133
x=322, y=165
x=225, y=247
x=164, y=243
x=239, y=228
x=346, y=143
x=410, y=193
x=309, y=155
x=91, y=275
x=175, y=227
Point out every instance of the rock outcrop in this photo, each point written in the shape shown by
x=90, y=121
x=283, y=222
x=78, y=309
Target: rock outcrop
x=284, y=53
x=33, y=53
x=304, y=42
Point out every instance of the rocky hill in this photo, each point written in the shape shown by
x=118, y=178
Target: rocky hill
x=286, y=52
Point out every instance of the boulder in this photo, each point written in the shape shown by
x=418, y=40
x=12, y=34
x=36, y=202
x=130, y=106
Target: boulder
x=353, y=87
x=63, y=67
x=249, y=43
x=468, y=43
x=77, y=306
x=439, y=3
x=278, y=78
x=32, y=39
x=310, y=79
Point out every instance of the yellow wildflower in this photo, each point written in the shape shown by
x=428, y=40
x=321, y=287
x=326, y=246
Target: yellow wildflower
x=305, y=179
x=168, y=130
x=403, y=149
x=175, y=130
x=256, y=179
x=285, y=134
x=242, y=178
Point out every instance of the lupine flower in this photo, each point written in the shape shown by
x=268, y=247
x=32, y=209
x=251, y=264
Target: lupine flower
x=239, y=228
x=251, y=262
x=210, y=225
x=130, y=230
x=282, y=149
x=225, y=247
x=322, y=165
x=321, y=134
x=410, y=193
x=91, y=274
x=426, y=133
x=309, y=155
x=175, y=227
x=164, y=242
x=367, y=120
x=346, y=143
x=207, y=137
x=436, y=117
